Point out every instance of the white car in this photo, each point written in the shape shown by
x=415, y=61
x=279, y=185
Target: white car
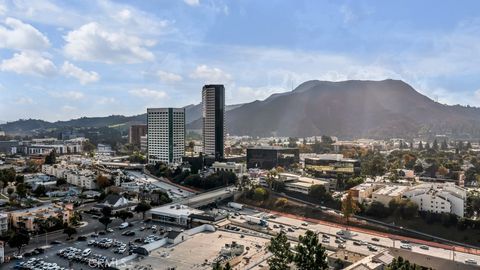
x=406, y=246
x=86, y=252
x=470, y=261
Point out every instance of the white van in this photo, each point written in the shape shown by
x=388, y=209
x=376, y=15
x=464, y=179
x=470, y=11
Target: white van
x=86, y=252
x=123, y=225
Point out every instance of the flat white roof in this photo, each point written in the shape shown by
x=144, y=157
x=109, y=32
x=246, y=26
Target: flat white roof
x=175, y=210
x=391, y=190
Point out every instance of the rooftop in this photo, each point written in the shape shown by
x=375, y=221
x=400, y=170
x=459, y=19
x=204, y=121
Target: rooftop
x=391, y=190
x=176, y=209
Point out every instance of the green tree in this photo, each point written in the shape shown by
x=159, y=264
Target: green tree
x=349, y=207
x=351, y=182
x=18, y=240
x=103, y=181
x=142, y=207
x=260, y=194
x=40, y=191
x=377, y=209
x=21, y=190
x=435, y=144
x=124, y=215
x=309, y=253
x=444, y=145
x=319, y=193
x=105, y=221
x=282, y=255
x=51, y=158
x=69, y=231
x=61, y=181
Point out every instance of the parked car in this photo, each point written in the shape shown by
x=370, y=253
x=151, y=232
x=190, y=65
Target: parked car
x=424, y=247
x=406, y=246
x=82, y=238
x=470, y=261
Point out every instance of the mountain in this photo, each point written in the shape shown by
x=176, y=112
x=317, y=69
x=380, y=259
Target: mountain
x=34, y=126
x=389, y=108
x=348, y=109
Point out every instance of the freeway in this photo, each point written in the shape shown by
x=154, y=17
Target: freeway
x=450, y=252
x=174, y=191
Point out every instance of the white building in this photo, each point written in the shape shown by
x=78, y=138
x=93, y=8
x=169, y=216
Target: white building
x=72, y=174
x=3, y=223
x=165, y=135
x=439, y=198
x=388, y=193
x=174, y=214
x=362, y=192
x=82, y=178
x=237, y=168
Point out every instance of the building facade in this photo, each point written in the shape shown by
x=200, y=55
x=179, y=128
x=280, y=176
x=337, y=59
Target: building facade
x=269, y=157
x=439, y=198
x=135, y=133
x=237, y=168
x=30, y=218
x=165, y=135
x=213, y=115
x=332, y=165
x=3, y=223
x=386, y=194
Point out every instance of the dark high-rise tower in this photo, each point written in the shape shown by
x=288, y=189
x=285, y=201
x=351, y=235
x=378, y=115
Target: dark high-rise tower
x=213, y=113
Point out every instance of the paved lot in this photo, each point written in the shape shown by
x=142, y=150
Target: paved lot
x=200, y=250
x=50, y=252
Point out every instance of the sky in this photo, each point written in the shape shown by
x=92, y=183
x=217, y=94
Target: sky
x=67, y=59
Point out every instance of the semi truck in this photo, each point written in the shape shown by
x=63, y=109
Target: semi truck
x=256, y=221
x=236, y=206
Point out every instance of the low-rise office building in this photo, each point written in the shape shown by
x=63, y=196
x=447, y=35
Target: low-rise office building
x=29, y=218
x=364, y=191
x=302, y=184
x=237, y=168
x=332, y=166
x=174, y=214
x=439, y=198
x=269, y=157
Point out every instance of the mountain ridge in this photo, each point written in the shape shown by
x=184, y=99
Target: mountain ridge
x=353, y=108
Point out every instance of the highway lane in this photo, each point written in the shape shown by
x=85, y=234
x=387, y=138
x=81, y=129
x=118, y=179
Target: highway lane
x=385, y=240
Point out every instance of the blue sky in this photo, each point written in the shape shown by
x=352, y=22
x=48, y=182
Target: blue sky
x=62, y=60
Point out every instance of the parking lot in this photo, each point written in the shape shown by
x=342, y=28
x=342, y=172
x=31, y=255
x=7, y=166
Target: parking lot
x=94, y=250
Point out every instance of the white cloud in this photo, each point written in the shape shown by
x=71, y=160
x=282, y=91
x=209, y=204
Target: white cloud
x=192, y=2
x=68, y=108
x=210, y=75
x=24, y=101
x=14, y=34
x=70, y=70
x=71, y=95
x=29, y=63
x=93, y=43
x=168, y=77
x=148, y=93
x=105, y=100
x=3, y=9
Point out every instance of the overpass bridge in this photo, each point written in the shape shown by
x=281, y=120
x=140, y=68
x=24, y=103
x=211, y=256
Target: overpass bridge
x=202, y=199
